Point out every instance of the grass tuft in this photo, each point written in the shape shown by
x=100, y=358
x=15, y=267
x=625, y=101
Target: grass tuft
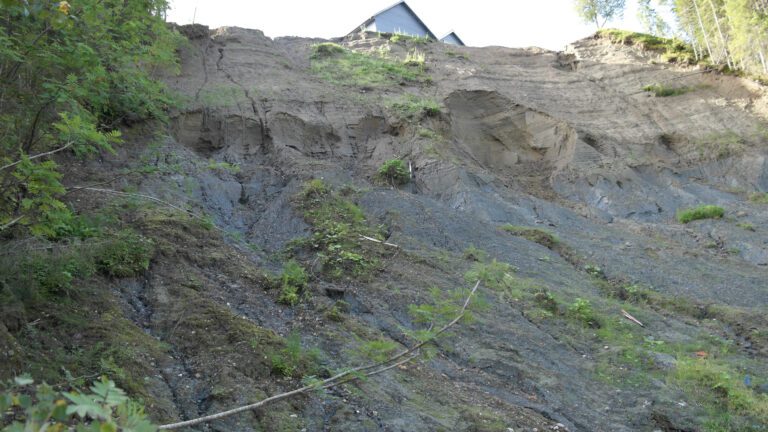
x=700, y=212
x=661, y=90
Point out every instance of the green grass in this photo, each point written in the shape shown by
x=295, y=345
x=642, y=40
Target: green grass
x=759, y=198
x=293, y=282
x=536, y=235
x=414, y=108
x=661, y=90
x=746, y=226
x=700, y=212
x=671, y=50
x=405, y=38
x=338, y=65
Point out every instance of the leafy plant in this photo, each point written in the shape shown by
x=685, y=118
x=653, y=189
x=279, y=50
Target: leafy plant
x=581, y=310
x=394, y=172
x=472, y=253
x=105, y=408
x=293, y=282
x=78, y=73
x=700, y=212
x=414, y=58
x=412, y=107
x=126, y=254
x=293, y=360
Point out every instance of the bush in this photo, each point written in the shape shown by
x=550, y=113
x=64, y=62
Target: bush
x=581, y=310
x=700, y=212
x=293, y=360
x=126, y=255
x=105, y=408
x=293, y=282
x=326, y=49
x=394, y=172
x=661, y=90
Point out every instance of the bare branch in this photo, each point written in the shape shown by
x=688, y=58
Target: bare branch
x=69, y=144
x=11, y=223
x=390, y=363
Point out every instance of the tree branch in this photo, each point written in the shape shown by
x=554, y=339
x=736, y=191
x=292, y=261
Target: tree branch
x=64, y=147
x=390, y=363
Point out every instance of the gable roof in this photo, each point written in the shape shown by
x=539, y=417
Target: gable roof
x=370, y=20
x=455, y=36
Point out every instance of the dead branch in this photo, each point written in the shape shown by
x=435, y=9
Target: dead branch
x=10, y=223
x=349, y=375
x=64, y=147
x=631, y=318
x=362, y=237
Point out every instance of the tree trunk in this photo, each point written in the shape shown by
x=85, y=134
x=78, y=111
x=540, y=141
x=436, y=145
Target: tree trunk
x=762, y=60
x=703, y=30
x=722, y=38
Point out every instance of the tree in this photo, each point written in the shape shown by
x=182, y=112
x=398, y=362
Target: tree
x=651, y=19
x=596, y=10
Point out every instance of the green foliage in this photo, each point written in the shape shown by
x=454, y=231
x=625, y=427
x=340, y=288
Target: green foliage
x=581, y=310
x=594, y=271
x=326, y=49
x=443, y=308
x=472, y=253
x=495, y=275
x=661, y=90
x=599, y=11
x=363, y=70
x=723, y=390
x=292, y=283
x=69, y=76
x=671, y=50
x=719, y=145
x=414, y=108
x=759, y=198
x=415, y=58
x=223, y=166
x=126, y=254
x=293, y=360
x=377, y=350
x=337, y=224
x=536, y=235
x=700, y=212
x=746, y=226
x=105, y=408
x=337, y=311
x=406, y=38
x=394, y=172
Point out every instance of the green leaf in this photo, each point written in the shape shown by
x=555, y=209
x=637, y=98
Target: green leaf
x=108, y=392
x=23, y=380
x=85, y=406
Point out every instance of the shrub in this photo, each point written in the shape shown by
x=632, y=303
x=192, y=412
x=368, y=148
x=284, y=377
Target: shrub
x=472, y=253
x=700, y=212
x=326, y=49
x=660, y=90
x=126, y=255
x=394, y=172
x=105, y=408
x=293, y=360
x=581, y=310
x=495, y=275
x=293, y=282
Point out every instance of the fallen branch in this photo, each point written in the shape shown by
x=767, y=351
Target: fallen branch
x=11, y=223
x=350, y=375
x=631, y=318
x=66, y=146
x=150, y=198
x=362, y=237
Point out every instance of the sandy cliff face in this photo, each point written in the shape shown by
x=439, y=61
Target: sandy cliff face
x=566, y=142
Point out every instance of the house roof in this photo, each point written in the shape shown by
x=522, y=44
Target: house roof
x=454, y=35
x=367, y=22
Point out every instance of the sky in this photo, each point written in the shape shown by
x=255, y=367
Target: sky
x=550, y=24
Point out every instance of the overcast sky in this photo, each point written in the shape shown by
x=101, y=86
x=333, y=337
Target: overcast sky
x=514, y=23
